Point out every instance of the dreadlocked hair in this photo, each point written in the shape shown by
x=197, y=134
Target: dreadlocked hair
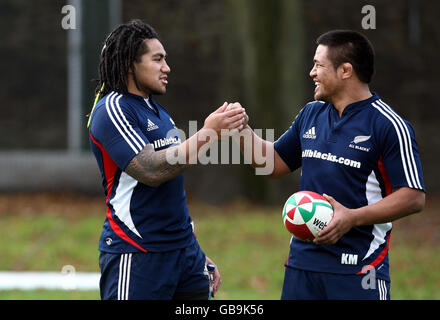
x=121, y=49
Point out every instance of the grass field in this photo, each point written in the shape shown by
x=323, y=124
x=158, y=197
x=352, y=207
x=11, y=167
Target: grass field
x=248, y=243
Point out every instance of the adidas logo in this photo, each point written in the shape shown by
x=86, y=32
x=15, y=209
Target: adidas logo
x=151, y=125
x=310, y=134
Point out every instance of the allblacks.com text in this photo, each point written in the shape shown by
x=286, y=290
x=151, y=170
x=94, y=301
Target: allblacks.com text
x=330, y=157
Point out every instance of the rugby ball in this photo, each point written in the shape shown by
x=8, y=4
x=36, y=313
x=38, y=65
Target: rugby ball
x=305, y=214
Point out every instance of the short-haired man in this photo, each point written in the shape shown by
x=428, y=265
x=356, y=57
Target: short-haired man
x=378, y=180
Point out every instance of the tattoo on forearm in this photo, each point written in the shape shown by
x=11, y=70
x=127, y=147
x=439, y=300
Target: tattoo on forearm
x=152, y=168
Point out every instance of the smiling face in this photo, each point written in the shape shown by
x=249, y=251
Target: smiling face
x=323, y=73
x=151, y=70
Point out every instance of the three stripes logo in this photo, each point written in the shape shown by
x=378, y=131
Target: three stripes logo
x=407, y=155
x=151, y=125
x=310, y=134
x=121, y=123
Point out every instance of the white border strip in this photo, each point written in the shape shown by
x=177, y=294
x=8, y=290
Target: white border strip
x=28, y=280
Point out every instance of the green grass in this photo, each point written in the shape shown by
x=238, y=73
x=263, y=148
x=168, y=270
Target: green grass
x=250, y=249
x=414, y=273
x=49, y=242
x=49, y=295
x=249, y=245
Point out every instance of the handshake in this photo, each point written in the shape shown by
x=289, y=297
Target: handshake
x=227, y=120
x=230, y=120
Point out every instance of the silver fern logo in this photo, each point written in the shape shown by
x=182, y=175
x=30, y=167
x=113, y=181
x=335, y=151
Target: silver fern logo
x=357, y=140
x=360, y=139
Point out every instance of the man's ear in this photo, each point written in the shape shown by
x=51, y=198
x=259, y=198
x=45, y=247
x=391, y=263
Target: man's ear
x=345, y=70
x=132, y=68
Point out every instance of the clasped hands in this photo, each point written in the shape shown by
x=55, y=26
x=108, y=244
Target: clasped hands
x=227, y=120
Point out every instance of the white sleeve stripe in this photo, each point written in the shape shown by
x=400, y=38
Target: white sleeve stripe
x=120, y=120
x=411, y=161
x=406, y=139
x=110, y=97
x=405, y=145
x=402, y=155
x=411, y=153
x=128, y=125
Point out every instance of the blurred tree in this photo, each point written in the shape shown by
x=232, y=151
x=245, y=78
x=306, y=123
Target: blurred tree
x=98, y=19
x=264, y=63
x=253, y=51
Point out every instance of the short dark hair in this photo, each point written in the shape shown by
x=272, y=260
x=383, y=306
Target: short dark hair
x=121, y=49
x=350, y=46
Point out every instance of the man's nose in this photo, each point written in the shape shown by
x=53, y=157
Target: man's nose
x=312, y=73
x=166, y=68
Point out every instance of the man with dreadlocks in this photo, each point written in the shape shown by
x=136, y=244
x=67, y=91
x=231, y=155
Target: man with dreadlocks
x=148, y=248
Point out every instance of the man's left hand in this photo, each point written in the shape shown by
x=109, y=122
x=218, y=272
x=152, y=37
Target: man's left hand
x=341, y=223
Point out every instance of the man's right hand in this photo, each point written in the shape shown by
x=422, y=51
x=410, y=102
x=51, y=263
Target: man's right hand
x=228, y=117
